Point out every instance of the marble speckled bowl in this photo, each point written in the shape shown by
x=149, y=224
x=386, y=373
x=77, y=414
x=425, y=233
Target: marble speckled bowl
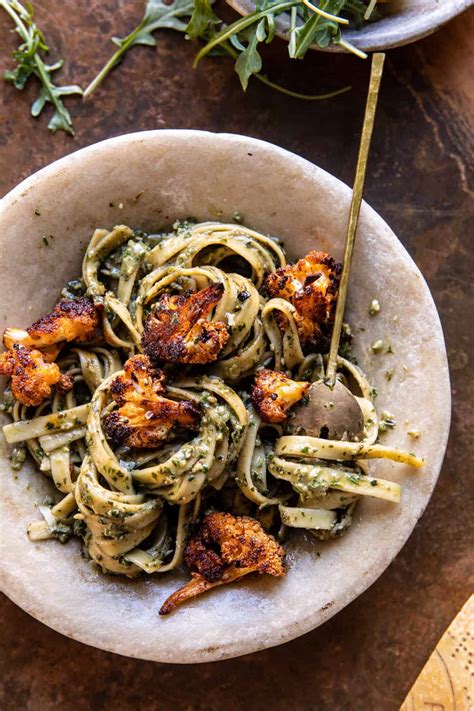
x=404, y=21
x=157, y=177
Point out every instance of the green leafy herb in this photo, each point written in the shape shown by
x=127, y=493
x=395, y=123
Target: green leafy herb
x=249, y=61
x=157, y=15
x=201, y=19
x=29, y=62
x=310, y=24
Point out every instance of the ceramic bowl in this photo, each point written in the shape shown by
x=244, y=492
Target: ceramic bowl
x=404, y=21
x=149, y=180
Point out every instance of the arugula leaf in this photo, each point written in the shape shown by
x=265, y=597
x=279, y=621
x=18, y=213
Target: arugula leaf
x=249, y=61
x=30, y=63
x=316, y=30
x=61, y=119
x=201, y=19
x=271, y=27
x=157, y=15
x=241, y=24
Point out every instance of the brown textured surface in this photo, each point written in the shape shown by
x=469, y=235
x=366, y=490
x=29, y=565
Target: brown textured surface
x=420, y=180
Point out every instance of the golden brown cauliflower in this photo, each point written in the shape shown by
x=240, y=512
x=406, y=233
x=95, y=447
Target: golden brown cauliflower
x=226, y=548
x=273, y=394
x=70, y=320
x=144, y=417
x=32, y=377
x=311, y=285
x=178, y=330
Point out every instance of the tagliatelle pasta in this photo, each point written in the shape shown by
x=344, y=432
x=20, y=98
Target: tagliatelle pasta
x=133, y=505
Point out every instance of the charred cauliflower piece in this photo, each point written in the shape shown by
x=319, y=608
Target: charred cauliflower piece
x=70, y=320
x=311, y=285
x=140, y=382
x=178, y=330
x=273, y=394
x=226, y=548
x=32, y=377
x=144, y=417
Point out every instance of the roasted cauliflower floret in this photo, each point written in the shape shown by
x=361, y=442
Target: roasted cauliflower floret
x=178, y=330
x=32, y=378
x=70, y=320
x=273, y=394
x=140, y=382
x=311, y=285
x=226, y=548
x=144, y=417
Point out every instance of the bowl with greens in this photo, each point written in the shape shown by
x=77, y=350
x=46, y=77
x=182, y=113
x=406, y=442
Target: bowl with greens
x=357, y=26
x=353, y=26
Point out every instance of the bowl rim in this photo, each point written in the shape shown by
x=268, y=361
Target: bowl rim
x=388, y=36
x=301, y=626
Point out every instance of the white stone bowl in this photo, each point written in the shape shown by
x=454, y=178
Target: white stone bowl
x=209, y=176
x=404, y=21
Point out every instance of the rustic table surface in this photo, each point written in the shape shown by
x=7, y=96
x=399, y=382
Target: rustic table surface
x=368, y=656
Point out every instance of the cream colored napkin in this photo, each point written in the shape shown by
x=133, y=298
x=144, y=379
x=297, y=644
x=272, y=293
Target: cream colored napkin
x=446, y=683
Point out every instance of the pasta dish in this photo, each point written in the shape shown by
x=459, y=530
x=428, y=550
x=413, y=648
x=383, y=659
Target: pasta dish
x=175, y=397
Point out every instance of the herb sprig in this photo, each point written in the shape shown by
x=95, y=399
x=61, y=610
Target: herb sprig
x=310, y=24
x=157, y=15
x=29, y=62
